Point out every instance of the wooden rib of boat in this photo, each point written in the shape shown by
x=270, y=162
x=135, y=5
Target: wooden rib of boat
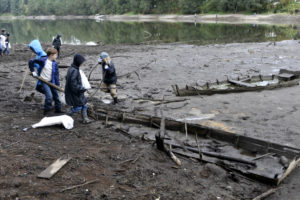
x=254, y=158
x=254, y=83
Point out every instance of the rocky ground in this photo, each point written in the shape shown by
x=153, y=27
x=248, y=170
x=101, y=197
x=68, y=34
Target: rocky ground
x=125, y=167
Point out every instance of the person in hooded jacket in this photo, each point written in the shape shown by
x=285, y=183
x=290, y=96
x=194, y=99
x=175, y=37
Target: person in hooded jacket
x=109, y=76
x=57, y=43
x=74, y=90
x=47, y=69
x=2, y=42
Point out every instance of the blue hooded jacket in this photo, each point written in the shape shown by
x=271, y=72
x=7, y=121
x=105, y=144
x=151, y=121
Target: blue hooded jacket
x=36, y=47
x=39, y=63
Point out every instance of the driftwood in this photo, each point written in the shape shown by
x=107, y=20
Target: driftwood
x=54, y=168
x=159, y=139
x=161, y=101
x=266, y=194
x=237, y=86
x=240, y=83
x=217, y=155
x=23, y=81
x=80, y=185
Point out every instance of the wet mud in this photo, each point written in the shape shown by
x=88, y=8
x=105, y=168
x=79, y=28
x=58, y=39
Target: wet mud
x=129, y=167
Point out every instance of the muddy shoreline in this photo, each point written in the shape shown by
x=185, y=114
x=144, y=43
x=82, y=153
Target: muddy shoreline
x=99, y=151
x=271, y=19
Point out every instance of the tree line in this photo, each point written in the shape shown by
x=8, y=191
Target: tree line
x=91, y=7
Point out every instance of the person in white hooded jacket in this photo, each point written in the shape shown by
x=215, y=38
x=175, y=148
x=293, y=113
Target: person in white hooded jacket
x=2, y=44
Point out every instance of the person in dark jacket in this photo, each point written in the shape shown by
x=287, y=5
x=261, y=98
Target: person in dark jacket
x=57, y=43
x=74, y=90
x=47, y=69
x=109, y=76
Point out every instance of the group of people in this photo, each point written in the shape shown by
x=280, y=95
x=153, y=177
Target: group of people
x=45, y=68
x=4, y=42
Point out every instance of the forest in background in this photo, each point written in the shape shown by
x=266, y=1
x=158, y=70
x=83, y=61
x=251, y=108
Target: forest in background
x=92, y=7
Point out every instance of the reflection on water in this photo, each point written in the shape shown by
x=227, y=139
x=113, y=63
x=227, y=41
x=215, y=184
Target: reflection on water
x=105, y=32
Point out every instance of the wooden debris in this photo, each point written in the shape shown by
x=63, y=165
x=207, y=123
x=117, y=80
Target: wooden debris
x=244, y=164
x=266, y=194
x=159, y=139
x=54, y=168
x=262, y=156
x=23, y=81
x=80, y=185
x=198, y=145
x=240, y=83
x=254, y=83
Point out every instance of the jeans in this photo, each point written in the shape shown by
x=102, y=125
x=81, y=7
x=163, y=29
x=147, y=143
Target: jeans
x=50, y=95
x=7, y=49
x=79, y=108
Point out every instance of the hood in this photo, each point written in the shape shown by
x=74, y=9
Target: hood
x=78, y=60
x=36, y=46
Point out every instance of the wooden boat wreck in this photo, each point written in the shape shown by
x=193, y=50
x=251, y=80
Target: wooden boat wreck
x=254, y=83
x=257, y=159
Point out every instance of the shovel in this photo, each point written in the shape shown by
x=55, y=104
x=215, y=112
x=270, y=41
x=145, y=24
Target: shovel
x=61, y=93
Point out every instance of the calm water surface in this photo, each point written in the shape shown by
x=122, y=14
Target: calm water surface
x=106, y=32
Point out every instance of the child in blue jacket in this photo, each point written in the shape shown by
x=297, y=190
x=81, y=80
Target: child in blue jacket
x=47, y=69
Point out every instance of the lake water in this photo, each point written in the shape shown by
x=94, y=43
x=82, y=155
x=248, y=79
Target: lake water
x=87, y=31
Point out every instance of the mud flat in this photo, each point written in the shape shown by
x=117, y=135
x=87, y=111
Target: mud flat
x=127, y=167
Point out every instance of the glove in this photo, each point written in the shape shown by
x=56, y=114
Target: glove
x=106, y=67
x=34, y=74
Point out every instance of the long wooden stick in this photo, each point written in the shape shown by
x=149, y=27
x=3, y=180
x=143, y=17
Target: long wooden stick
x=50, y=84
x=80, y=185
x=198, y=145
x=266, y=194
x=25, y=75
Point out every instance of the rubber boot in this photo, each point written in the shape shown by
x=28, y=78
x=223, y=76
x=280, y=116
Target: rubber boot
x=115, y=100
x=85, y=118
x=70, y=112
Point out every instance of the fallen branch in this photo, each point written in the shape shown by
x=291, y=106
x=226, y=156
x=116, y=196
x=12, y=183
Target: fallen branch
x=161, y=145
x=80, y=185
x=198, y=145
x=266, y=194
x=161, y=101
x=138, y=75
x=25, y=75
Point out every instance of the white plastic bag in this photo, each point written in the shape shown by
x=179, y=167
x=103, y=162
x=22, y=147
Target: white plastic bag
x=65, y=120
x=84, y=80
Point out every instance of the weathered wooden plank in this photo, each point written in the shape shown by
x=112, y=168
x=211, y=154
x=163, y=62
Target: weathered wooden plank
x=240, y=83
x=53, y=168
